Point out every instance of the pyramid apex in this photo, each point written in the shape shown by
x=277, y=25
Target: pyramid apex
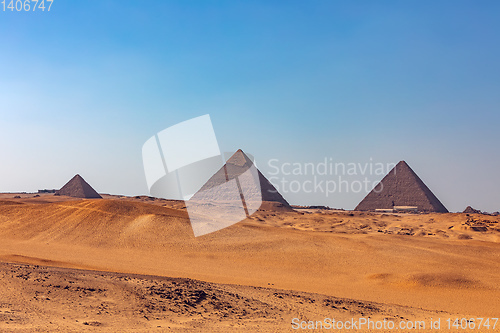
x=240, y=152
x=403, y=164
x=239, y=158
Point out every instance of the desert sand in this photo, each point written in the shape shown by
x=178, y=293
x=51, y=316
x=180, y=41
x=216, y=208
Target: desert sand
x=132, y=258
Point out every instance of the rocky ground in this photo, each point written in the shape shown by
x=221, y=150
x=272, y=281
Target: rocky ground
x=37, y=298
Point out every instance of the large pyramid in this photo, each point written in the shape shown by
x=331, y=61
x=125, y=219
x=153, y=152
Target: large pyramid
x=401, y=187
x=77, y=187
x=235, y=166
x=232, y=194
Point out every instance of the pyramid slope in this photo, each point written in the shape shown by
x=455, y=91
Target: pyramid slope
x=401, y=187
x=77, y=187
x=235, y=166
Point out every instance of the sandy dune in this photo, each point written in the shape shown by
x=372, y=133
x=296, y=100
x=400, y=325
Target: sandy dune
x=435, y=262
x=48, y=298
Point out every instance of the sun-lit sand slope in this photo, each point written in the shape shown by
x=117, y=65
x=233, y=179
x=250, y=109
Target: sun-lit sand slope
x=96, y=223
x=438, y=262
x=36, y=298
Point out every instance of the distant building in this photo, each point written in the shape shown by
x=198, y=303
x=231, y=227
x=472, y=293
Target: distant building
x=47, y=191
x=383, y=210
x=405, y=209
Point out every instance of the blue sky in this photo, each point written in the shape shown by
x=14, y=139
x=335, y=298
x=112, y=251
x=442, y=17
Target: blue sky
x=83, y=86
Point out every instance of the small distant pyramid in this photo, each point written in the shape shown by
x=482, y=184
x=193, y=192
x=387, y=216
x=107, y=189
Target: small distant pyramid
x=401, y=187
x=470, y=210
x=235, y=166
x=77, y=187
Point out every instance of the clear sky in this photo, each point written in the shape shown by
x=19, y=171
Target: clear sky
x=83, y=86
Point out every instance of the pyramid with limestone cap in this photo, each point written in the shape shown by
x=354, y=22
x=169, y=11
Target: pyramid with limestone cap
x=77, y=187
x=401, y=187
x=236, y=166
